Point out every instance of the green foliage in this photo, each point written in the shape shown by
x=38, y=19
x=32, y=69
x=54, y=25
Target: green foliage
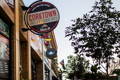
x=76, y=66
x=116, y=71
x=97, y=34
x=95, y=68
x=89, y=76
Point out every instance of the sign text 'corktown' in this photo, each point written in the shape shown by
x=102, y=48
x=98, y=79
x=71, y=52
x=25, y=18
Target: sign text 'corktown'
x=41, y=17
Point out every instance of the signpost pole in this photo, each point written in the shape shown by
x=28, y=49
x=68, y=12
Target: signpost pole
x=43, y=58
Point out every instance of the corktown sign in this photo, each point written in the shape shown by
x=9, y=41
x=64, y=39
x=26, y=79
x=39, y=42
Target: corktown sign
x=41, y=17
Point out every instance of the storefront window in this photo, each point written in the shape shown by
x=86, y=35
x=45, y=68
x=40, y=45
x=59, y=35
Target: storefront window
x=47, y=73
x=4, y=50
x=34, y=72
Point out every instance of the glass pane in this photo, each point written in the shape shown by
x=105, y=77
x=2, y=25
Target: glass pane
x=4, y=50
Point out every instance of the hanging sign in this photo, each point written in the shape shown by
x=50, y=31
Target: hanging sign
x=41, y=17
x=51, y=53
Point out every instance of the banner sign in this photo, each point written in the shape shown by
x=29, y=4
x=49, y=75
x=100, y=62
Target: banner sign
x=35, y=43
x=41, y=17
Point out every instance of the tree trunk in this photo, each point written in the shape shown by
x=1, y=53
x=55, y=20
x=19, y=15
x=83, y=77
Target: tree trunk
x=107, y=68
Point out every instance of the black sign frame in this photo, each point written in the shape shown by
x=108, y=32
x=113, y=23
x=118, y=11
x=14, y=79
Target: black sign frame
x=51, y=25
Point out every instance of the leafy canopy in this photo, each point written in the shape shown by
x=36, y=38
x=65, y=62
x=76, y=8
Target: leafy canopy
x=76, y=66
x=97, y=33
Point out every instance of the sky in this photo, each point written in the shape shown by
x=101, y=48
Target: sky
x=69, y=10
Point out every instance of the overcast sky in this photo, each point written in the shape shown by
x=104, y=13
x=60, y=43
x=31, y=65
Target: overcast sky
x=69, y=9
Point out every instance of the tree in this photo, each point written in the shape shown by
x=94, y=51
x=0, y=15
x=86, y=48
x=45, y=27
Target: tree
x=95, y=68
x=76, y=67
x=97, y=34
x=116, y=71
